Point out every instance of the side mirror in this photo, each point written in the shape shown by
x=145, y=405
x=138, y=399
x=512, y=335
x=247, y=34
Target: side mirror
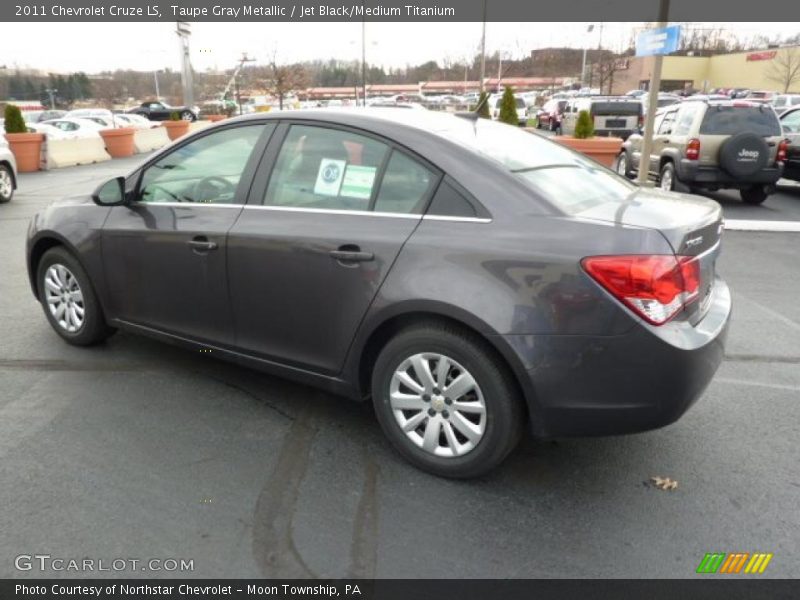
x=111, y=193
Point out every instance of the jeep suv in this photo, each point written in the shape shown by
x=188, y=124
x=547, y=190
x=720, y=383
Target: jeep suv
x=710, y=145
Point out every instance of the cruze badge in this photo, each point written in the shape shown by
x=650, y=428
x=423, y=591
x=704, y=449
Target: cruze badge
x=694, y=241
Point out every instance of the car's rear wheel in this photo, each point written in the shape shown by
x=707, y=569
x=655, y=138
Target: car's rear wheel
x=6, y=184
x=445, y=401
x=667, y=178
x=69, y=300
x=753, y=195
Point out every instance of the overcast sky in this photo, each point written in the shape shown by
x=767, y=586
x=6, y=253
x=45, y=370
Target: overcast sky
x=92, y=47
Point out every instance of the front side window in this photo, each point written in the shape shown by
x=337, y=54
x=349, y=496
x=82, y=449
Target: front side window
x=321, y=168
x=204, y=171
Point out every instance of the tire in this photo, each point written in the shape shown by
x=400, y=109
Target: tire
x=6, y=184
x=69, y=273
x=623, y=166
x=668, y=178
x=493, y=433
x=553, y=126
x=753, y=195
x=187, y=115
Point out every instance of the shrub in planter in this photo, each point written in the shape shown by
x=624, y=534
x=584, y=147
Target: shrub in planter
x=27, y=147
x=508, y=108
x=602, y=149
x=176, y=127
x=584, y=127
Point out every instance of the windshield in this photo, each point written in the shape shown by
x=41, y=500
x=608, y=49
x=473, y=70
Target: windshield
x=730, y=120
x=565, y=178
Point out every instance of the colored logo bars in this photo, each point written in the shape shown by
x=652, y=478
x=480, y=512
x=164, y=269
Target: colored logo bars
x=737, y=562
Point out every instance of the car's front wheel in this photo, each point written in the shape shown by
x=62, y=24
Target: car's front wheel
x=187, y=115
x=6, y=184
x=69, y=300
x=667, y=177
x=445, y=401
x=623, y=165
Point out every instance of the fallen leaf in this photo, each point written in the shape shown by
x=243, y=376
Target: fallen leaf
x=664, y=483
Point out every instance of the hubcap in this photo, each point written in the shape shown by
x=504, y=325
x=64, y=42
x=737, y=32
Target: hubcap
x=438, y=404
x=187, y=116
x=621, y=166
x=5, y=184
x=666, y=181
x=64, y=298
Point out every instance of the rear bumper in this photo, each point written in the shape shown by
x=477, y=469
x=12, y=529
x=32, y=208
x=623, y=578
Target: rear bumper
x=690, y=171
x=608, y=385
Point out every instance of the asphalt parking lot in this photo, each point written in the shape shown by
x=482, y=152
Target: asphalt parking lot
x=136, y=449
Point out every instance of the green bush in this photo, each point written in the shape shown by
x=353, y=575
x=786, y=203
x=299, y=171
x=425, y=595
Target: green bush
x=483, y=106
x=14, y=121
x=584, y=128
x=174, y=116
x=508, y=108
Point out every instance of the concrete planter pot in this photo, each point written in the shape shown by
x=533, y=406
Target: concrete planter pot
x=27, y=149
x=602, y=149
x=119, y=142
x=176, y=129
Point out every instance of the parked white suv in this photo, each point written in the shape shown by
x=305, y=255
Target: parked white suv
x=8, y=171
x=496, y=101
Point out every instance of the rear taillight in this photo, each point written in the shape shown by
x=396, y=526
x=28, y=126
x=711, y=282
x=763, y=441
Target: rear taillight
x=641, y=121
x=783, y=148
x=654, y=287
x=693, y=149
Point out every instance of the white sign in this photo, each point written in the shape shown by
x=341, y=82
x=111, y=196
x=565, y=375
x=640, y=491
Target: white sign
x=329, y=177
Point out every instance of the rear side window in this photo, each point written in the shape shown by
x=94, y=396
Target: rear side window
x=685, y=119
x=450, y=202
x=405, y=187
x=730, y=120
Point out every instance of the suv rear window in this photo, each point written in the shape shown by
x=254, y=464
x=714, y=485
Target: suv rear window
x=616, y=108
x=730, y=120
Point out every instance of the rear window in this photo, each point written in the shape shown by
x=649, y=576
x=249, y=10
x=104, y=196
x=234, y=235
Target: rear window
x=564, y=178
x=730, y=120
x=616, y=108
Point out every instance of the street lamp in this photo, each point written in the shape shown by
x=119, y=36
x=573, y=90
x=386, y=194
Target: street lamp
x=589, y=29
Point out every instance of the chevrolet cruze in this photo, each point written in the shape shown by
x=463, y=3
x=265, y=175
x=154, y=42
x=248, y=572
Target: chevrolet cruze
x=470, y=279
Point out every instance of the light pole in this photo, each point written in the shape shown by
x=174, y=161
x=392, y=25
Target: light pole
x=589, y=29
x=155, y=77
x=363, y=60
x=184, y=31
x=652, y=101
x=483, y=48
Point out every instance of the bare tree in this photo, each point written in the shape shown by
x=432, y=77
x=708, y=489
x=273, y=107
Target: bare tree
x=785, y=68
x=284, y=79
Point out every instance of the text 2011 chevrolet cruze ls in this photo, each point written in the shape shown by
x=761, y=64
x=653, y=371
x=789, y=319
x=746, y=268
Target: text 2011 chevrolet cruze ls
x=473, y=280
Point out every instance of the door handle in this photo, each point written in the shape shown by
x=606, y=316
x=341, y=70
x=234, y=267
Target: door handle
x=351, y=253
x=202, y=244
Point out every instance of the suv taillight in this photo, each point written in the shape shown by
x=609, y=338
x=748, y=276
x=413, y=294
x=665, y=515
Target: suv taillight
x=641, y=121
x=783, y=148
x=693, y=149
x=655, y=287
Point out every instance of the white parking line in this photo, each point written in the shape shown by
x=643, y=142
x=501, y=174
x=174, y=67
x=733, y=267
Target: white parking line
x=747, y=382
x=752, y=225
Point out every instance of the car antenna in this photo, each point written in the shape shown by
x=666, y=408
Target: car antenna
x=473, y=115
